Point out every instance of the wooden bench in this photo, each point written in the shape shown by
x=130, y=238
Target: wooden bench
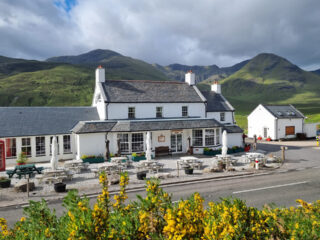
x=162, y=151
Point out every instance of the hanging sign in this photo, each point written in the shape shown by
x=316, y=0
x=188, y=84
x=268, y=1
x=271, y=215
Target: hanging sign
x=161, y=138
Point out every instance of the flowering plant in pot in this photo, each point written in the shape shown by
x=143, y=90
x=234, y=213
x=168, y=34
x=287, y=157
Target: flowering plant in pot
x=22, y=159
x=188, y=170
x=5, y=182
x=259, y=138
x=268, y=139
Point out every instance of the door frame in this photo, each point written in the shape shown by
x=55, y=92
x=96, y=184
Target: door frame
x=3, y=156
x=176, y=140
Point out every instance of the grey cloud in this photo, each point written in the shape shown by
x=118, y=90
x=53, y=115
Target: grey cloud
x=185, y=31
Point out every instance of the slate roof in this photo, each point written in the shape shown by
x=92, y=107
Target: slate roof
x=141, y=91
x=216, y=102
x=36, y=121
x=284, y=111
x=232, y=129
x=146, y=125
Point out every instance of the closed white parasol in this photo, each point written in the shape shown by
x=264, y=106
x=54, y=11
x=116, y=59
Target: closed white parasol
x=54, y=151
x=148, y=151
x=224, y=144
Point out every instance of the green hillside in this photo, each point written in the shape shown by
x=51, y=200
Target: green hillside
x=55, y=82
x=271, y=79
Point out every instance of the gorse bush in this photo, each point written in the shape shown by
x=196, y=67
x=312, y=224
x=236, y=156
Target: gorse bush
x=156, y=217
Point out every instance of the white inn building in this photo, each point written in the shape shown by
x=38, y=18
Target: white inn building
x=122, y=112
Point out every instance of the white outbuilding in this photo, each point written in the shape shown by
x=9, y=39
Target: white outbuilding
x=275, y=122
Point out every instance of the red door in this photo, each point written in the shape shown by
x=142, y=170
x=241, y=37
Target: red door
x=2, y=157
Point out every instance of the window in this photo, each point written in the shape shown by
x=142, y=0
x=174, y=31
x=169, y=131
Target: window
x=159, y=112
x=290, y=130
x=66, y=144
x=131, y=112
x=217, y=136
x=197, y=138
x=124, y=142
x=209, y=137
x=40, y=146
x=57, y=145
x=11, y=149
x=137, y=142
x=222, y=116
x=184, y=111
x=26, y=146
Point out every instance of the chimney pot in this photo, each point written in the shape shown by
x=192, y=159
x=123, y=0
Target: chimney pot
x=190, y=78
x=100, y=74
x=216, y=87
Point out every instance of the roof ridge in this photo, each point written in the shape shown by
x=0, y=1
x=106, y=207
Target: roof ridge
x=150, y=81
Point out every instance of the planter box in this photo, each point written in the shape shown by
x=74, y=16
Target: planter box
x=230, y=151
x=211, y=153
x=5, y=183
x=60, y=187
x=238, y=150
x=93, y=160
x=138, y=158
x=141, y=175
x=188, y=171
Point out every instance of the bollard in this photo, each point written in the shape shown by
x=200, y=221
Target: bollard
x=28, y=185
x=283, y=153
x=257, y=164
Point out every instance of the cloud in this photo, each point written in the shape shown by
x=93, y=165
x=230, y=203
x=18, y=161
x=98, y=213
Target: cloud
x=162, y=31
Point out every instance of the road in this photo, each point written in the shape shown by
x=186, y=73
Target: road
x=281, y=188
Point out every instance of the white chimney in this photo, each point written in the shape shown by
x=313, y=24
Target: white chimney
x=190, y=78
x=216, y=87
x=100, y=75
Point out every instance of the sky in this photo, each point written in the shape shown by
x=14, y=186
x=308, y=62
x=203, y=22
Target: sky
x=202, y=32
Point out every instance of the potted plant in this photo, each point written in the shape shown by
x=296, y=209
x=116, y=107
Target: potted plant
x=22, y=159
x=92, y=158
x=247, y=147
x=268, y=139
x=136, y=157
x=5, y=182
x=188, y=170
x=259, y=138
x=141, y=175
x=60, y=187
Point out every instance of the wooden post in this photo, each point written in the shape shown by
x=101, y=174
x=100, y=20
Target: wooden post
x=283, y=153
x=28, y=185
x=178, y=167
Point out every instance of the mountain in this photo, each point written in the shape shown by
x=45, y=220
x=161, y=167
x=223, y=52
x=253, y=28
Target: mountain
x=316, y=71
x=268, y=78
x=117, y=65
x=203, y=73
x=67, y=80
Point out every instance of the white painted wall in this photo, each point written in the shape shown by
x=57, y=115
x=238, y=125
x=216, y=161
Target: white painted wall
x=90, y=144
x=310, y=129
x=234, y=139
x=47, y=156
x=216, y=116
x=148, y=110
x=259, y=119
x=283, y=123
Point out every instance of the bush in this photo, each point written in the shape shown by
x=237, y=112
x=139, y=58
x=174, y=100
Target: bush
x=155, y=216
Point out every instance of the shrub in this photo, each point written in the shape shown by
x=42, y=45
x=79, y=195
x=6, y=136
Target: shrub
x=155, y=216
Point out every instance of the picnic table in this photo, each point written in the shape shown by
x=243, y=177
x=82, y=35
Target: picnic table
x=76, y=165
x=190, y=161
x=151, y=165
x=57, y=175
x=23, y=170
x=108, y=167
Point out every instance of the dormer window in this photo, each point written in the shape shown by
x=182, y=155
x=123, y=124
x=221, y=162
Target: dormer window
x=159, y=112
x=222, y=117
x=184, y=111
x=131, y=112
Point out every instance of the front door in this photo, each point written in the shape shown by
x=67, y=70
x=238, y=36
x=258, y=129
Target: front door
x=2, y=157
x=176, y=142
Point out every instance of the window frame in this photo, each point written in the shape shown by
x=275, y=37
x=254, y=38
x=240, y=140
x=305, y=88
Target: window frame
x=42, y=146
x=184, y=111
x=159, y=114
x=11, y=148
x=131, y=114
x=196, y=138
x=217, y=133
x=209, y=139
x=138, y=141
x=125, y=143
x=65, y=144
x=25, y=147
x=222, y=116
